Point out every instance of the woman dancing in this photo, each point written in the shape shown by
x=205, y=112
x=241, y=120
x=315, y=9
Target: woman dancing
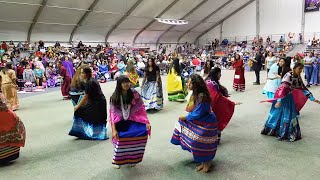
x=65, y=87
x=222, y=107
x=130, y=124
x=12, y=133
x=90, y=114
x=9, y=86
x=289, y=99
x=197, y=132
x=175, y=83
x=239, y=79
x=131, y=73
x=275, y=75
x=151, y=90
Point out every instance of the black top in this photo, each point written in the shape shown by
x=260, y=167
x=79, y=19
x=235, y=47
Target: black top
x=152, y=75
x=93, y=90
x=256, y=66
x=79, y=87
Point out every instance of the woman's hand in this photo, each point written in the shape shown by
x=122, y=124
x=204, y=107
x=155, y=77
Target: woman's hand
x=76, y=108
x=317, y=101
x=277, y=105
x=182, y=118
x=115, y=134
x=238, y=103
x=148, y=127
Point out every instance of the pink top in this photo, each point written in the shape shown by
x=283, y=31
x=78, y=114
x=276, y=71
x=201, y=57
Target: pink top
x=137, y=113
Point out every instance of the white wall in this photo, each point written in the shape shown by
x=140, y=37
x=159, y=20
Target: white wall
x=211, y=35
x=276, y=17
x=280, y=16
x=312, y=25
x=242, y=23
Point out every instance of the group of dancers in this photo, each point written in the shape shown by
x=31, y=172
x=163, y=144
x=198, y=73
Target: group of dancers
x=209, y=111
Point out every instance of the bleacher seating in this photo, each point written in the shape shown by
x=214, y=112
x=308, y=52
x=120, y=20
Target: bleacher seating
x=309, y=49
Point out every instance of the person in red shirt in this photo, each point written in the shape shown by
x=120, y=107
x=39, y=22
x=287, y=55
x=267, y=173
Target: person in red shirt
x=20, y=69
x=4, y=46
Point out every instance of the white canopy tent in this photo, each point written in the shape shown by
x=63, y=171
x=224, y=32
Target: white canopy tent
x=128, y=21
x=133, y=21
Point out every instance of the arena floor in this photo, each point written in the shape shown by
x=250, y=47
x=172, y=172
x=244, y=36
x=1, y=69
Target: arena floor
x=243, y=154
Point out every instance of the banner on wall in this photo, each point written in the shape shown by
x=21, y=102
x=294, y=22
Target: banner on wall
x=312, y=5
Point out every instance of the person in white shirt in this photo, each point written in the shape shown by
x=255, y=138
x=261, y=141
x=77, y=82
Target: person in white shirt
x=270, y=60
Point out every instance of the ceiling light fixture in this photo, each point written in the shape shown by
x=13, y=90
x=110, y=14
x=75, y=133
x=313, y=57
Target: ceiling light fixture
x=172, y=21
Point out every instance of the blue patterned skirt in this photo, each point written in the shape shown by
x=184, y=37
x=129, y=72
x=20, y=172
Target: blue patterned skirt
x=199, y=138
x=88, y=131
x=85, y=129
x=152, y=95
x=283, y=121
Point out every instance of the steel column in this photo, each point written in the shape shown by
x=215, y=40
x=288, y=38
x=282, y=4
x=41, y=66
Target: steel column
x=221, y=21
x=35, y=19
x=86, y=14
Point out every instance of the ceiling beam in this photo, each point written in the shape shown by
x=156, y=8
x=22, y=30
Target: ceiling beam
x=185, y=16
x=35, y=19
x=86, y=14
x=153, y=20
x=205, y=19
x=221, y=21
x=19, y=3
x=122, y=19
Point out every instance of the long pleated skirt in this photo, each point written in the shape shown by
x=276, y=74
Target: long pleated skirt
x=283, y=122
x=130, y=147
x=88, y=131
x=152, y=95
x=8, y=154
x=85, y=129
x=9, y=91
x=199, y=138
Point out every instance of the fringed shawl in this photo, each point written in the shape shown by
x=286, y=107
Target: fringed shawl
x=294, y=85
x=222, y=107
x=137, y=113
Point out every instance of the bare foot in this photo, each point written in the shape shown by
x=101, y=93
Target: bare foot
x=206, y=167
x=198, y=168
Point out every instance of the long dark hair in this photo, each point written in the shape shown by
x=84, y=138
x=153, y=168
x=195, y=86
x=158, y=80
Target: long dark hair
x=213, y=76
x=76, y=81
x=235, y=57
x=7, y=67
x=176, y=65
x=206, y=68
x=87, y=70
x=199, y=87
x=154, y=66
x=286, y=68
x=115, y=99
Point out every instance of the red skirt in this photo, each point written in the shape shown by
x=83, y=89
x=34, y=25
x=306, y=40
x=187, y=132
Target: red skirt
x=239, y=83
